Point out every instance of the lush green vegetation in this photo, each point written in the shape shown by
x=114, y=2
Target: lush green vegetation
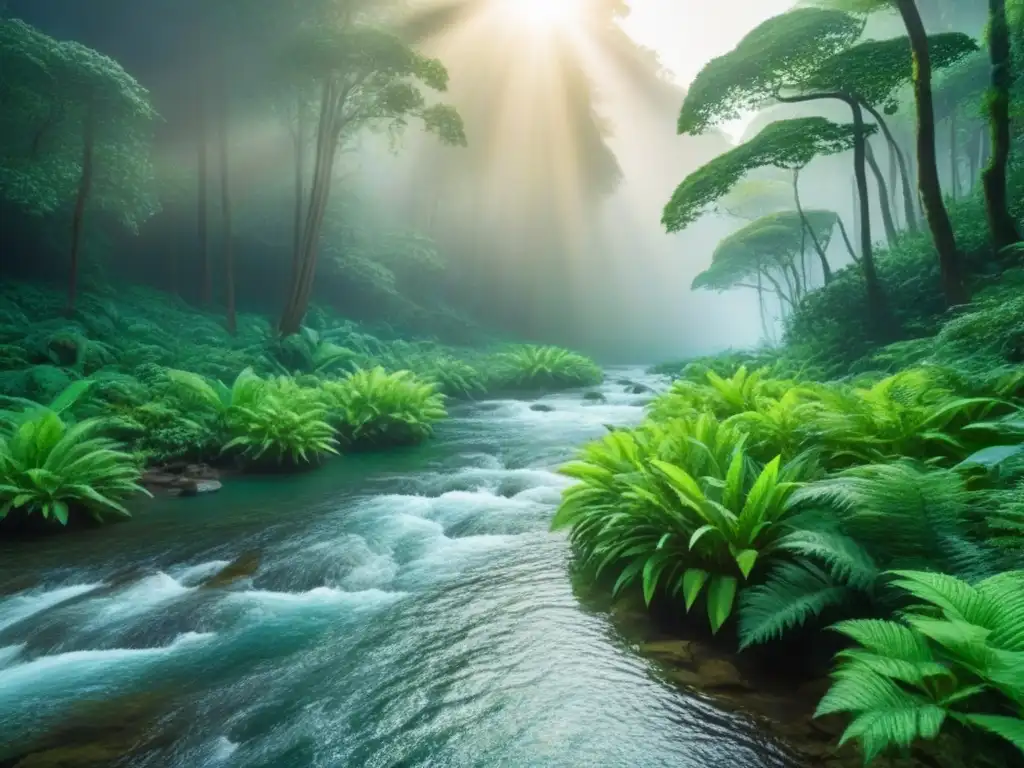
x=139, y=378
x=866, y=474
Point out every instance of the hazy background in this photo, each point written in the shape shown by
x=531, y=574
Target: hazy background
x=549, y=221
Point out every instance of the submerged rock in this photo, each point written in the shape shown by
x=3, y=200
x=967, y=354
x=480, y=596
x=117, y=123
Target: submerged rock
x=541, y=408
x=184, y=479
x=594, y=397
x=186, y=486
x=670, y=651
x=242, y=567
x=719, y=673
x=639, y=389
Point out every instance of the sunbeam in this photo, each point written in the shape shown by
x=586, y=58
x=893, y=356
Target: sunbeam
x=543, y=15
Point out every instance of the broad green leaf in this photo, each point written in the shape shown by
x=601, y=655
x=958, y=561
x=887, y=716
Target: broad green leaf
x=746, y=559
x=721, y=594
x=693, y=581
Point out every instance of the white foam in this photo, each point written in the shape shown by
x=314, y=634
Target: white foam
x=70, y=671
x=151, y=592
x=10, y=653
x=193, y=575
x=20, y=607
x=222, y=749
x=316, y=598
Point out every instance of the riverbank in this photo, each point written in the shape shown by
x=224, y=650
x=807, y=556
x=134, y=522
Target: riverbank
x=407, y=606
x=852, y=524
x=136, y=379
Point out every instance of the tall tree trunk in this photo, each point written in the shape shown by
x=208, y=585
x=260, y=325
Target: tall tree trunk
x=326, y=151
x=909, y=204
x=202, y=150
x=783, y=296
x=826, y=269
x=985, y=151
x=300, y=184
x=760, y=307
x=846, y=239
x=954, y=156
x=954, y=284
x=225, y=206
x=880, y=317
x=81, y=199
x=1004, y=230
x=880, y=320
x=972, y=164
x=883, y=195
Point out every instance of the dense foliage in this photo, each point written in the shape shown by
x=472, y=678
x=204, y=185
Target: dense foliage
x=843, y=479
x=125, y=391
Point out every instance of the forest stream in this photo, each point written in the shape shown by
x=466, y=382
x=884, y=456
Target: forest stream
x=405, y=609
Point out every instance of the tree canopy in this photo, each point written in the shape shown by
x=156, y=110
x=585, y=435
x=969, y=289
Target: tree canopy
x=783, y=144
x=48, y=89
x=779, y=55
x=769, y=244
x=874, y=70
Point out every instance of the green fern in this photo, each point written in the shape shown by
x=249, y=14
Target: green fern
x=541, y=368
x=375, y=409
x=679, y=508
x=957, y=657
x=52, y=469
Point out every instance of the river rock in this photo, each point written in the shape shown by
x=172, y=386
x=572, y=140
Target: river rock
x=593, y=397
x=187, y=486
x=541, y=408
x=242, y=567
x=720, y=674
x=183, y=479
x=638, y=389
x=675, y=652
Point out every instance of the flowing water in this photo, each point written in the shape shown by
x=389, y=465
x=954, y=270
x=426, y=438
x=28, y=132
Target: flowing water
x=408, y=609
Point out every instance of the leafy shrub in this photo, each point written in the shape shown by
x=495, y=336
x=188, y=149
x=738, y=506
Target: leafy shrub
x=832, y=328
x=533, y=368
x=955, y=659
x=277, y=427
x=680, y=507
x=376, y=409
x=853, y=528
x=454, y=377
x=52, y=469
x=744, y=390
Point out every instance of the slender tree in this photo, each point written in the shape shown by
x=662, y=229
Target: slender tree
x=785, y=144
x=366, y=79
x=951, y=267
x=1004, y=230
x=227, y=232
x=77, y=132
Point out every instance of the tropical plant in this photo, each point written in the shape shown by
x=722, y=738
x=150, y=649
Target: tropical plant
x=279, y=427
x=54, y=469
x=954, y=659
x=852, y=528
x=542, y=368
x=724, y=396
x=376, y=409
x=454, y=377
x=309, y=352
x=679, y=507
x=911, y=413
x=215, y=396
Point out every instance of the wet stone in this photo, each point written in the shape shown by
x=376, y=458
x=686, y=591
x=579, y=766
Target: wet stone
x=670, y=651
x=541, y=408
x=242, y=567
x=719, y=674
